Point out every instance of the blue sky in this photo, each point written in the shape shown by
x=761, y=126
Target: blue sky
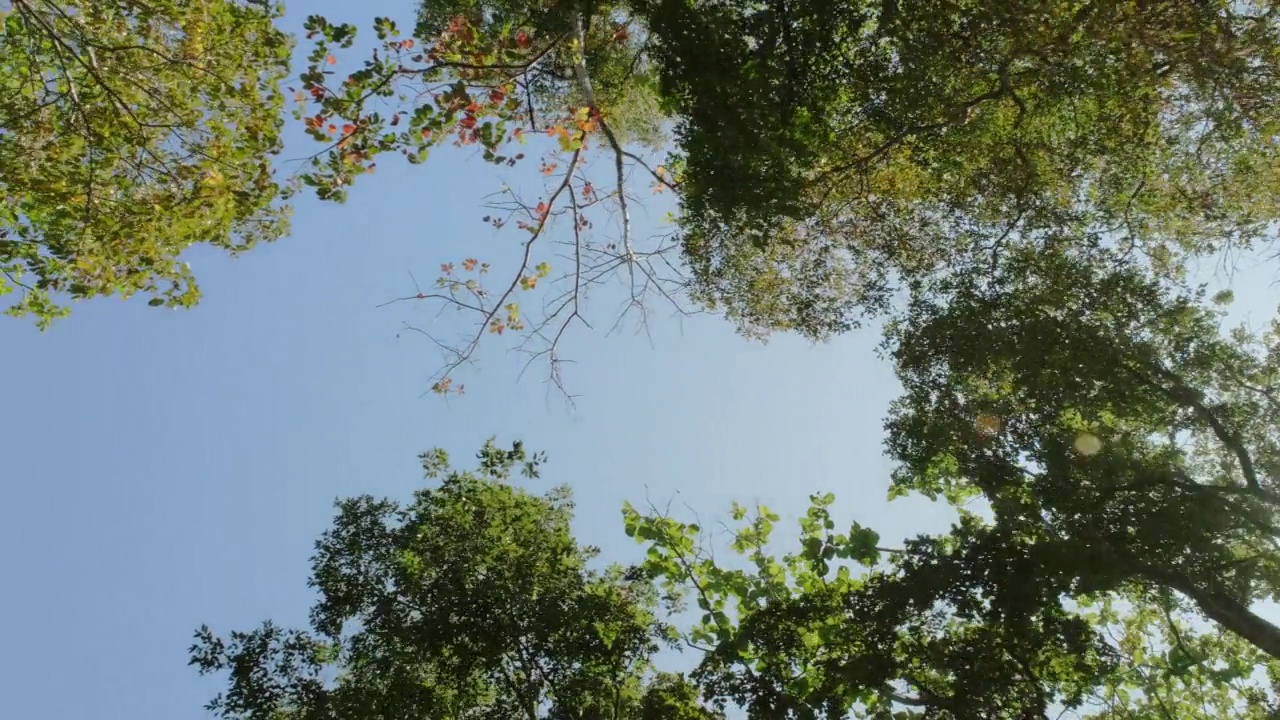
x=165, y=469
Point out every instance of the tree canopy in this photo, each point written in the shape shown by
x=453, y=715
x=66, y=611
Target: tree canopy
x=821, y=156
x=474, y=598
x=1105, y=420
x=129, y=132
x=1022, y=183
x=829, y=147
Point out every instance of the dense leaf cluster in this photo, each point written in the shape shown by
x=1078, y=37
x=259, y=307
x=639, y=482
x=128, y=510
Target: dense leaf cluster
x=829, y=148
x=129, y=132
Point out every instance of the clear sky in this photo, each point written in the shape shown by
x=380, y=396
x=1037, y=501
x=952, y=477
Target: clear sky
x=164, y=469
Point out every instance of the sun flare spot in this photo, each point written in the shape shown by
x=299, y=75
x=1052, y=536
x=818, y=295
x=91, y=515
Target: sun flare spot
x=1088, y=444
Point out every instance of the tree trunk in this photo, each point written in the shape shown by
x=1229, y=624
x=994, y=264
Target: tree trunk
x=1228, y=612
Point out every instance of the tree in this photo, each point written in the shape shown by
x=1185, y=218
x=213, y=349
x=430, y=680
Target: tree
x=616, y=72
x=829, y=149
x=823, y=154
x=806, y=635
x=1103, y=415
x=473, y=600
x=962, y=625
x=1036, y=197
x=503, y=77
x=130, y=131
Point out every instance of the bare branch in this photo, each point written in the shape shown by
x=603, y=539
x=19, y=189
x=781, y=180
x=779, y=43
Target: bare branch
x=471, y=346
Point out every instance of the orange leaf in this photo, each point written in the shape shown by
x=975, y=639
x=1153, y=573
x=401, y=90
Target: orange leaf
x=469, y=264
x=331, y=60
x=332, y=128
x=407, y=44
x=348, y=129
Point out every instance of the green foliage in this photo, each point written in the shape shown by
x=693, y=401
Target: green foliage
x=672, y=697
x=622, y=78
x=1034, y=174
x=132, y=131
x=473, y=599
x=1109, y=425
x=477, y=74
x=828, y=149
x=1174, y=670
x=827, y=155
x=806, y=636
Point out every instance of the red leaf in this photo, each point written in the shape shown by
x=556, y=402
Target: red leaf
x=468, y=122
x=523, y=40
x=348, y=129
